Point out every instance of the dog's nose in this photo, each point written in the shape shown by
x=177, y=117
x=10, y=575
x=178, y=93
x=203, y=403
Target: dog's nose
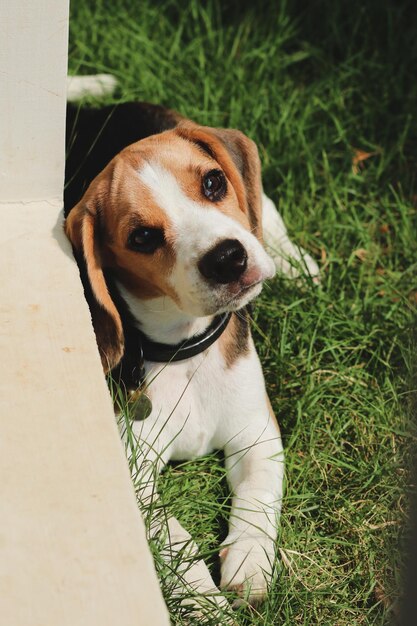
x=224, y=263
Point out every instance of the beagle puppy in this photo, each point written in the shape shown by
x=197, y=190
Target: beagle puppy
x=174, y=238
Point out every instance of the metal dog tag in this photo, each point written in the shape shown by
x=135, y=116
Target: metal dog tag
x=140, y=405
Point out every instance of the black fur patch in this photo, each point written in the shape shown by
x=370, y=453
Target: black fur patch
x=95, y=136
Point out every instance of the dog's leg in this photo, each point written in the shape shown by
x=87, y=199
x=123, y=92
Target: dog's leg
x=289, y=258
x=255, y=468
x=194, y=584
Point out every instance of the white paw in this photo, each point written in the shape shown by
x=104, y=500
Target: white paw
x=309, y=266
x=246, y=567
x=289, y=258
x=205, y=607
x=295, y=262
x=194, y=586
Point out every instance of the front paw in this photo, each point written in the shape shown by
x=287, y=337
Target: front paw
x=297, y=264
x=246, y=567
x=310, y=267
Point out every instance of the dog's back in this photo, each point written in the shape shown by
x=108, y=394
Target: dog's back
x=95, y=135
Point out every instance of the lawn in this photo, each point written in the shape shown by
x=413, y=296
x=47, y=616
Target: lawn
x=328, y=92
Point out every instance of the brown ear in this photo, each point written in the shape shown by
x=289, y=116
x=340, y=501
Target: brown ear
x=81, y=227
x=238, y=155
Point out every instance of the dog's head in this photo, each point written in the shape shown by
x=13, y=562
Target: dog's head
x=178, y=215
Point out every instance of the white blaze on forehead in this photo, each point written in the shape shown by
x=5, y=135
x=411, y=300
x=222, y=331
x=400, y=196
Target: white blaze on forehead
x=194, y=219
x=164, y=188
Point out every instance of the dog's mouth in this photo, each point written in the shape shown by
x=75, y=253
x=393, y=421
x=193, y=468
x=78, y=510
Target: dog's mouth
x=242, y=297
x=246, y=289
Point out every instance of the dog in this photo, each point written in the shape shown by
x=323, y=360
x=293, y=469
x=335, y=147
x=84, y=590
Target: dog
x=174, y=238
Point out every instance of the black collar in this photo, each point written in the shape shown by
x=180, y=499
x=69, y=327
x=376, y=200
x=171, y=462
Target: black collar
x=166, y=353
x=141, y=348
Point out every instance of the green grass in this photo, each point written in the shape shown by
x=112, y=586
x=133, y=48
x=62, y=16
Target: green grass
x=311, y=86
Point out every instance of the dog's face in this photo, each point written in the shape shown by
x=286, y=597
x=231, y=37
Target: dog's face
x=178, y=215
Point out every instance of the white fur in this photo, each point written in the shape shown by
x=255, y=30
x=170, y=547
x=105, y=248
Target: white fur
x=204, y=226
x=289, y=258
x=200, y=405
x=97, y=86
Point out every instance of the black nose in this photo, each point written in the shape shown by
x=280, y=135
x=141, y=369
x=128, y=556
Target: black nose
x=224, y=263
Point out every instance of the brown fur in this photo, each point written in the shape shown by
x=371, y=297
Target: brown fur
x=117, y=201
x=81, y=228
x=238, y=156
x=234, y=342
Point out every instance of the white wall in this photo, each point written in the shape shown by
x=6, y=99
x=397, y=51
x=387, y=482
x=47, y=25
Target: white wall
x=73, y=550
x=33, y=65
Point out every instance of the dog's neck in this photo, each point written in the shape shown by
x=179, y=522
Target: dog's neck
x=161, y=320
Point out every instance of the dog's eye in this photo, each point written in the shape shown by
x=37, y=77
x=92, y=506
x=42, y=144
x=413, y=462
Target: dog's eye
x=145, y=239
x=214, y=185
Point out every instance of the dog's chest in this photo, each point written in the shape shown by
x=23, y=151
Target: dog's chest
x=193, y=401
